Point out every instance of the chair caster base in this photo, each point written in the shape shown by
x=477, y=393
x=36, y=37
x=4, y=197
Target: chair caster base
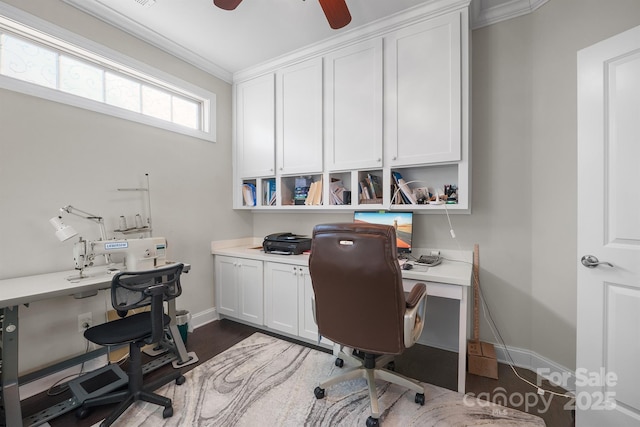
x=180, y=380
x=167, y=412
x=339, y=362
x=373, y=422
x=420, y=399
x=82, y=413
x=319, y=392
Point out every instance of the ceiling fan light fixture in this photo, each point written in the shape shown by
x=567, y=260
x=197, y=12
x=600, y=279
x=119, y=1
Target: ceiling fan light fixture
x=227, y=4
x=337, y=13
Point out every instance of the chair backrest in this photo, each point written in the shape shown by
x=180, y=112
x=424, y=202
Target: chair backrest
x=357, y=281
x=136, y=289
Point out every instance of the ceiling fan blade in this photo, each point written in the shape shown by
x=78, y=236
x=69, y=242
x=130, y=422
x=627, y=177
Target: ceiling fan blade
x=227, y=4
x=337, y=13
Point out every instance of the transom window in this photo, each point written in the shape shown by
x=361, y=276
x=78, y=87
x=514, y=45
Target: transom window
x=41, y=64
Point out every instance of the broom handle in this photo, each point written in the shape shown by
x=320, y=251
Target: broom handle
x=476, y=292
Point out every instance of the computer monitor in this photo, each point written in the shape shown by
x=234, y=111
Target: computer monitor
x=402, y=222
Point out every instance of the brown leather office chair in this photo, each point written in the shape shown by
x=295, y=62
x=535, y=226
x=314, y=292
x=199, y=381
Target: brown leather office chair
x=360, y=303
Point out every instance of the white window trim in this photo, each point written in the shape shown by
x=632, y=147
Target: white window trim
x=209, y=104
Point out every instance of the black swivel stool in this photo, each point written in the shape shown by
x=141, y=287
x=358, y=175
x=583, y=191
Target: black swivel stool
x=131, y=290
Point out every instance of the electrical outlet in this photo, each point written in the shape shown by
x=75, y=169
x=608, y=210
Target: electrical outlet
x=85, y=321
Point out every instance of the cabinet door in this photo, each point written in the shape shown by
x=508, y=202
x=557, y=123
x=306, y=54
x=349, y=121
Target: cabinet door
x=353, y=106
x=281, y=297
x=226, y=288
x=307, y=327
x=255, y=127
x=250, y=294
x=299, y=107
x=423, y=92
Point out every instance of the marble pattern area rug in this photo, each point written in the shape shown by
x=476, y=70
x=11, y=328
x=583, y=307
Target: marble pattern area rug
x=265, y=381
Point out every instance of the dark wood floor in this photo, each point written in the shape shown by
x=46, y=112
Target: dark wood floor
x=426, y=364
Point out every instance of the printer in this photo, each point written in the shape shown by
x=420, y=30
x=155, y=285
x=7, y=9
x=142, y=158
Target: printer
x=286, y=244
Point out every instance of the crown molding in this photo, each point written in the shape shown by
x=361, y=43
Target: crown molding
x=124, y=23
x=384, y=25
x=480, y=16
x=483, y=16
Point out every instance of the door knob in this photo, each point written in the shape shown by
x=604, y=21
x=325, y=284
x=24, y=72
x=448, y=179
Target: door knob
x=591, y=261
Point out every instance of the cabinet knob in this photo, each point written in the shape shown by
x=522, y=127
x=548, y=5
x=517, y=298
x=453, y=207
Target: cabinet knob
x=379, y=159
x=394, y=158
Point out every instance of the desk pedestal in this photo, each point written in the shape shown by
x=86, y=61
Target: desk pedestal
x=10, y=391
x=460, y=293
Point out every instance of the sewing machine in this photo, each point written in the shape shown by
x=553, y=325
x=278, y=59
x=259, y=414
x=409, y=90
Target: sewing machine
x=139, y=254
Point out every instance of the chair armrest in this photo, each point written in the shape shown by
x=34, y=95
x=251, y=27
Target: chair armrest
x=313, y=309
x=414, y=314
x=416, y=294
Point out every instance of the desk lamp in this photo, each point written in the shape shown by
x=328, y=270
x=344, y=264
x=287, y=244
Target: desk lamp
x=63, y=231
x=86, y=215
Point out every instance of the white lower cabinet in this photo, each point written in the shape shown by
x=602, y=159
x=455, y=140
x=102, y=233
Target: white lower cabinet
x=239, y=290
x=288, y=294
x=307, y=327
x=272, y=294
x=281, y=284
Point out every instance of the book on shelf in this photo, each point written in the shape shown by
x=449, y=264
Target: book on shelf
x=249, y=194
x=375, y=189
x=314, y=196
x=396, y=197
x=269, y=188
x=364, y=191
x=310, y=194
x=336, y=192
x=301, y=190
x=405, y=190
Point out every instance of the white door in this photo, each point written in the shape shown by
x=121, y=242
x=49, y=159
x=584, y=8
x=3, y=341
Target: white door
x=608, y=324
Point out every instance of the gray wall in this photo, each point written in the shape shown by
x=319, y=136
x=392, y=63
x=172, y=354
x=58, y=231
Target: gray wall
x=524, y=178
x=52, y=155
x=558, y=31
x=524, y=172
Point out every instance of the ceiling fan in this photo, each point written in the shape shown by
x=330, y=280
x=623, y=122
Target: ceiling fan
x=336, y=11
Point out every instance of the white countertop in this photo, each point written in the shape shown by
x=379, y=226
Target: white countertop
x=456, y=267
x=23, y=290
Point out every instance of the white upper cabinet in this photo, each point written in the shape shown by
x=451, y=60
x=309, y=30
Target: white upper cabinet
x=299, y=118
x=255, y=127
x=386, y=100
x=423, y=84
x=353, y=106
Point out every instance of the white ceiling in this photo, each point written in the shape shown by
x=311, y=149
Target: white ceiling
x=223, y=42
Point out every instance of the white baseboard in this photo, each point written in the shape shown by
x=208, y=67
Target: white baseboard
x=526, y=359
x=539, y=364
x=203, y=317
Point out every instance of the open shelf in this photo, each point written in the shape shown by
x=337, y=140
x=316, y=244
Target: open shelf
x=301, y=190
